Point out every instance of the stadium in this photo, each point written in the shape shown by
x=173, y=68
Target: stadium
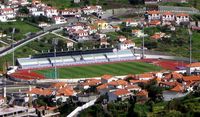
x=75, y=58
x=88, y=63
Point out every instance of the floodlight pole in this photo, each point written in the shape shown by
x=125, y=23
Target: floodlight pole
x=143, y=42
x=55, y=42
x=190, y=36
x=13, y=55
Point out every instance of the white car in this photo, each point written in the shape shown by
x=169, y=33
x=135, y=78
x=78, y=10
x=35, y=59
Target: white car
x=11, y=69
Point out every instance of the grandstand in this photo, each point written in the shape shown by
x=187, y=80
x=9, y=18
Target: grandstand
x=77, y=58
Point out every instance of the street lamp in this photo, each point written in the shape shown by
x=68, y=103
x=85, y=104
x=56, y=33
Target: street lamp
x=190, y=34
x=55, y=43
x=143, y=41
x=13, y=56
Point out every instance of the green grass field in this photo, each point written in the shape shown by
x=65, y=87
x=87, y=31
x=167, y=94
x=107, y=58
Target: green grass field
x=123, y=68
x=23, y=28
x=106, y=4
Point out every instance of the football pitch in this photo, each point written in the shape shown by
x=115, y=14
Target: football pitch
x=89, y=71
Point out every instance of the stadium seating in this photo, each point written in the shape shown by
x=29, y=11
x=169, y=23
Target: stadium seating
x=77, y=58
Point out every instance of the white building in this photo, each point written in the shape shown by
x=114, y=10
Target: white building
x=7, y=13
x=130, y=22
x=182, y=17
x=168, y=17
x=3, y=18
x=119, y=94
x=91, y=9
x=34, y=11
x=127, y=44
x=81, y=35
x=59, y=20
x=71, y=12
x=138, y=33
x=193, y=67
x=154, y=15
x=107, y=78
x=122, y=38
x=50, y=12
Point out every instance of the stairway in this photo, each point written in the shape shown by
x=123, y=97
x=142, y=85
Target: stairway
x=107, y=57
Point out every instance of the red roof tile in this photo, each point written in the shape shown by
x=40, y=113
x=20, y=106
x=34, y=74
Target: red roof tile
x=197, y=64
x=119, y=92
x=178, y=88
x=142, y=93
x=103, y=86
x=106, y=76
x=191, y=78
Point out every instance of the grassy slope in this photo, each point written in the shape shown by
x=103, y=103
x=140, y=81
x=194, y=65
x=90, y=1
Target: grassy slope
x=191, y=3
x=29, y=49
x=107, y=4
x=22, y=26
x=58, y=3
x=99, y=70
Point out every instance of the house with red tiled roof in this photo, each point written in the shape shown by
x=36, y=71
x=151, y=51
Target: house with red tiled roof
x=168, y=17
x=92, y=29
x=193, y=68
x=101, y=24
x=117, y=28
x=133, y=88
x=71, y=12
x=59, y=20
x=182, y=17
x=36, y=1
x=178, y=88
x=104, y=41
x=135, y=82
x=177, y=91
x=91, y=9
x=168, y=84
x=154, y=15
x=130, y=22
x=6, y=14
x=117, y=84
x=119, y=94
x=191, y=78
x=39, y=91
x=145, y=76
x=64, y=93
x=59, y=85
x=127, y=44
x=156, y=37
x=50, y=11
x=172, y=77
x=81, y=35
x=88, y=83
x=103, y=89
x=47, y=111
x=142, y=96
x=107, y=78
x=122, y=38
x=154, y=23
x=138, y=33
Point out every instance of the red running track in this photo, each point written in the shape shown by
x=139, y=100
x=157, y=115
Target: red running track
x=29, y=74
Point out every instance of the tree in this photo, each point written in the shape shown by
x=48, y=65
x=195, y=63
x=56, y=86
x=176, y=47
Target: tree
x=136, y=2
x=24, y=10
